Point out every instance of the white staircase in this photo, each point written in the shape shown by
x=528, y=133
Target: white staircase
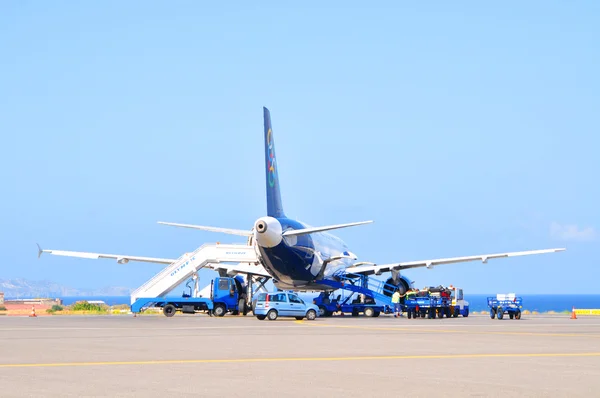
x=185, y=266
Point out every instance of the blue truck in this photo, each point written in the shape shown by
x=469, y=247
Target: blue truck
x=505, y=304
x=227, y=295
x=328, y=306
x=437, y=302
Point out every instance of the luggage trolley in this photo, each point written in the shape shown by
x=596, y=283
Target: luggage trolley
x=505, y=304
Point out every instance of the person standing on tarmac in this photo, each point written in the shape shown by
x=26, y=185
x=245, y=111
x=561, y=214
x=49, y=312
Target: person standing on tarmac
x=396, y=302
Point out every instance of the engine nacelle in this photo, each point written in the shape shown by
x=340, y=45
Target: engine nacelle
x=122, y=260
x=402, y=284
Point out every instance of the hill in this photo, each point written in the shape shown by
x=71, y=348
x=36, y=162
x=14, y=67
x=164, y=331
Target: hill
x=16, y=288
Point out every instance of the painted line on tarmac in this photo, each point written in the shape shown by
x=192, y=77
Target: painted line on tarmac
x=441, y=331
x=315, y=359
x=33, y=328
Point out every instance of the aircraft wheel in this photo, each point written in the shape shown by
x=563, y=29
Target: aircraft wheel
x=242, y=307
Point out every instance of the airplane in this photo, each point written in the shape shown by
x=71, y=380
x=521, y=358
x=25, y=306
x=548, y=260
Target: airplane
x=297, y=256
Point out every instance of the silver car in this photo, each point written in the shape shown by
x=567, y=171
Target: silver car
x=273, y=305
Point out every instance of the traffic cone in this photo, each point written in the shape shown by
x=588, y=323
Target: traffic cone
x=573, y=315
x=32, y=315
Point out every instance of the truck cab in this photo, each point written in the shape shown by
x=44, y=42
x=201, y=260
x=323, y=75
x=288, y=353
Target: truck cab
x=461, y=306
x=228, y=295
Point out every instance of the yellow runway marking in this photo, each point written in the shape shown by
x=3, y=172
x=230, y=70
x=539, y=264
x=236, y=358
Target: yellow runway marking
x=316, y=359
x=400, y=329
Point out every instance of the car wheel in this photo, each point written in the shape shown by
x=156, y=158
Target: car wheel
x=272, y=315
x=311, y=315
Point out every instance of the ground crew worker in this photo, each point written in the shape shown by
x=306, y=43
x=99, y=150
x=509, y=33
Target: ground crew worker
x=396, y=302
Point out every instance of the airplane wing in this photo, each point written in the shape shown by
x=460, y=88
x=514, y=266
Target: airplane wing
x=121, y=259
x=378, y=269
x=242, y=268
x=229, y=231
x=295, y=232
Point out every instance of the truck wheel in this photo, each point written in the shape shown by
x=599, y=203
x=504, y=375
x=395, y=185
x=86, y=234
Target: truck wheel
x=456, y=311
x=492, y=313
x=311, y=315
x=466, y=313
x=500, y=313
x=219, y=310
x=511, y=316
x=409, y=314
x=261, y=317
x=169, y=310
x=272, y=315
x=369, y=312
x=323, y=311
x=518, y=314
x=377, y=313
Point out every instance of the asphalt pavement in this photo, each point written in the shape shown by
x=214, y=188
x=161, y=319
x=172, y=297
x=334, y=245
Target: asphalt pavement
x=236, y=356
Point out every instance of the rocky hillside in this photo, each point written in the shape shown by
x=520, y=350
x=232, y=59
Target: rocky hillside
x=15, y=288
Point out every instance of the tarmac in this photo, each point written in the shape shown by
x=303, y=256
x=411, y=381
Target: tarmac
x=235, y=356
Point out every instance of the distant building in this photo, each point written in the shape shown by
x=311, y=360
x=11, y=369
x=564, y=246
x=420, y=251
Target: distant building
x=1, y=298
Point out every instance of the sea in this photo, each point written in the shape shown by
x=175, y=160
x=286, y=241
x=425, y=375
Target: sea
x=477, y=302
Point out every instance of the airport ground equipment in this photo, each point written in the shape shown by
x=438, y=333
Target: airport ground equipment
x=505, y=304
x=374, y=291
x=223, y=295
x=437, y=302
x=353, y=304
x=187, y=266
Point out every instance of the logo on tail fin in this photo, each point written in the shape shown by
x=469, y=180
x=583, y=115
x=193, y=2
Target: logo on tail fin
x=271, y=158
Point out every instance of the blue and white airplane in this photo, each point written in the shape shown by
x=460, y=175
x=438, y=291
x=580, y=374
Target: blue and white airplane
x=297, y=256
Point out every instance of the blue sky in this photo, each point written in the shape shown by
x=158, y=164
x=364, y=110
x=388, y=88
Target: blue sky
x=458, y=129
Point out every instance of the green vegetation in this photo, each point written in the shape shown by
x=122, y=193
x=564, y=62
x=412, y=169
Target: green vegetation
x=54, y=308
x=2, y=308
x=85, y=306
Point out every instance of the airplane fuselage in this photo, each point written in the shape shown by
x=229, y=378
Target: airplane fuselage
x=298, y=261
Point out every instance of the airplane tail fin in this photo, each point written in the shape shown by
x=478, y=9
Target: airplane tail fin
x=274, y=206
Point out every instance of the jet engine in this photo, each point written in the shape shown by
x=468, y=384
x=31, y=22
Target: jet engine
x=401, y=283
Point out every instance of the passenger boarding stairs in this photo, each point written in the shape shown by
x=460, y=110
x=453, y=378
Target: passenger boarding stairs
x=362, y=284
x=188, y=264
